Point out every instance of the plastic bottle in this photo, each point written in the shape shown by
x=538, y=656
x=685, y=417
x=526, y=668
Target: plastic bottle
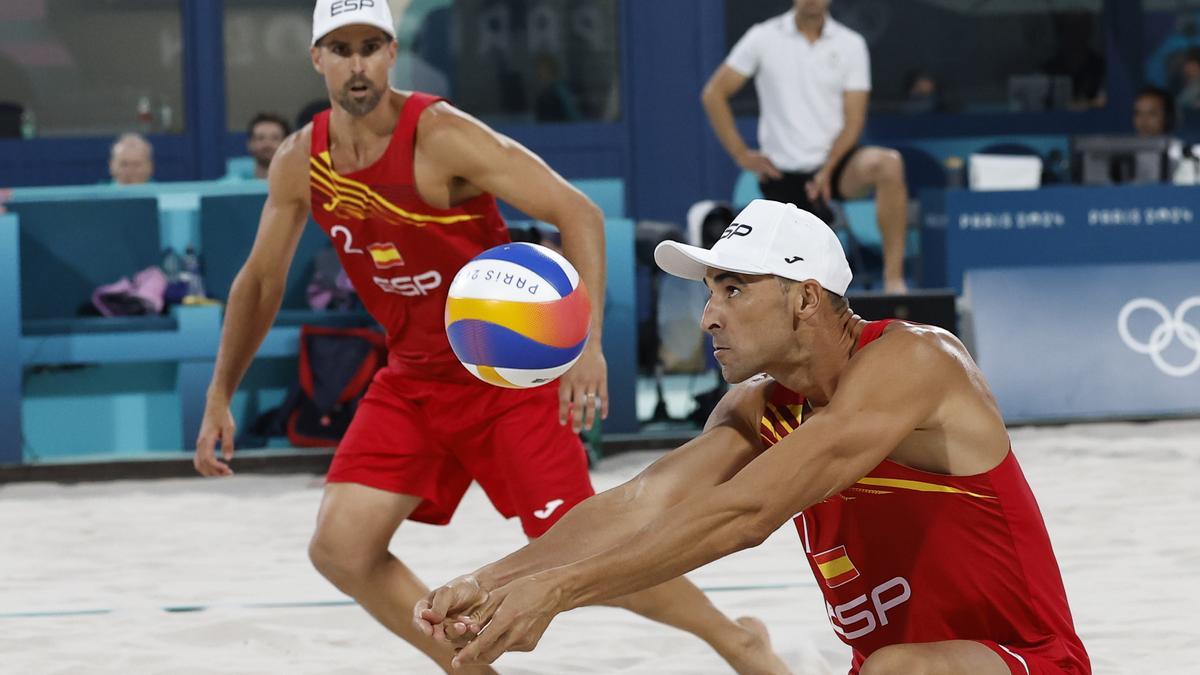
x=28, y=124
x=172, y=265
x=193, y=272
x=145, y=114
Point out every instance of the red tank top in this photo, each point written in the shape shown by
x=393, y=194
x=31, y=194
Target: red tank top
x=400, y=253
x=908, y=556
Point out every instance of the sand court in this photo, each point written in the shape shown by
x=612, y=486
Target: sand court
x=208, y=576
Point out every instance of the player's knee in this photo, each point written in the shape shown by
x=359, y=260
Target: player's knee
x=894, y=660
x=344, y=566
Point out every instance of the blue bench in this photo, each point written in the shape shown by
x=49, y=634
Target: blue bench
x=61, y=242
x=60, y=251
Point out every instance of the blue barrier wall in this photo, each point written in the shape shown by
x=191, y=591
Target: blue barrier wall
x=1089, y=342
x=1069, y=225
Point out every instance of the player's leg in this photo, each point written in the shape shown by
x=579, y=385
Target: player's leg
x=744, y=643
x=387, y=468
x=881, y=170
x=350, y=549
x=942, y=658
x=538, y=471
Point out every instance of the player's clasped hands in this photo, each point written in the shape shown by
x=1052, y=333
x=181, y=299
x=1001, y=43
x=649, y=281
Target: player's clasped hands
x=487, y=624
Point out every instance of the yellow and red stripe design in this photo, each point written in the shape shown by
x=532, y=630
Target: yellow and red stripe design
x=385, y=255
x=778, y=421
x=349, y=198
x=835, y=566
x=916, y=486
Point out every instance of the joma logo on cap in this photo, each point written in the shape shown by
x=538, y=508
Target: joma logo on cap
x=736, y=230
x=343, y=6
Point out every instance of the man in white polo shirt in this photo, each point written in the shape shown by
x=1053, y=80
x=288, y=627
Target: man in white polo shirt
x=813, y=77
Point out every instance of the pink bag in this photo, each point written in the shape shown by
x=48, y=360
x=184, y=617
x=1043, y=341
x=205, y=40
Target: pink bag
x=142, y=295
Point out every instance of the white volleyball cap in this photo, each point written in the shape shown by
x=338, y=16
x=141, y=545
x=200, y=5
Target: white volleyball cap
x=330, y=15
x=766, y=238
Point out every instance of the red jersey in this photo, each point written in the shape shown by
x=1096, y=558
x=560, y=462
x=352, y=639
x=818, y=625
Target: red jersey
x=906, y=556
x=400, y=253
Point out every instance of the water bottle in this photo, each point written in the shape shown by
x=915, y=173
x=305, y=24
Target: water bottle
x=193, y=273
x=28, y=124
x=144, y=114
x=171, y=265
x=955, y=177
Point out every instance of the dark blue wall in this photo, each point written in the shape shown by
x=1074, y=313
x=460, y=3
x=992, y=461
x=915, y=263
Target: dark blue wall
x=662, y=145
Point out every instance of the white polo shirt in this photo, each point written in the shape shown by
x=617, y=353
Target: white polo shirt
x=800, y=86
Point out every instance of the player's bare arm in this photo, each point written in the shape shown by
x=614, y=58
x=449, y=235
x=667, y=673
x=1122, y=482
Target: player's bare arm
x=255, y=296
x=727, y=444
x=859, y=428
x=457, y=158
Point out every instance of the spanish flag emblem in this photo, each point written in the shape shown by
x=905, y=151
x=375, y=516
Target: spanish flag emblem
x=385, y=255
x=835, y=566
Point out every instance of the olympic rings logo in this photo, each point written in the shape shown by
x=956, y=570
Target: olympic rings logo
x=1171, y=326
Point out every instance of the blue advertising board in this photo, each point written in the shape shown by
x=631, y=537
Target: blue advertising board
x=1088, y=342
x=1067, y=225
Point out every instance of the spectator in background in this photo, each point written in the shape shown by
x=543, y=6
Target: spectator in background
x=1153, y=112
x=813, y=77
x=1189, y=84
x=263, y=136
x=131, y=160
x=1076, y=57
x=923, y=93
x=554, y=101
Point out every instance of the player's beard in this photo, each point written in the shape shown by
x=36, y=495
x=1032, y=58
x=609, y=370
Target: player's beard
x=359, y=107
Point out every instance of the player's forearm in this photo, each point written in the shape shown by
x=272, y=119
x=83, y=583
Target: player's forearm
x=252, y=306
x=695, y=532
x=720, y=116
x=583, y=244
x=595, y=525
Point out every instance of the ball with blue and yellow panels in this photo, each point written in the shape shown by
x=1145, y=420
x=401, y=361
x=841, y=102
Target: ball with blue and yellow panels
x=518, y=315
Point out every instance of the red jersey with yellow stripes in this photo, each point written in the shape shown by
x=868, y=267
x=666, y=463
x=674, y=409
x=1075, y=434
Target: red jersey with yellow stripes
x=906, y=556
x=400, y=253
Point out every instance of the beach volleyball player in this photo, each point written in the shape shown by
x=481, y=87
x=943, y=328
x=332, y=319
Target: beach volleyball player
x=406, y=185
x=880, y=440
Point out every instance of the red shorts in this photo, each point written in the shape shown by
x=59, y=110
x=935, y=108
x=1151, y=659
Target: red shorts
x=1044, y=658
x=1051, y=656
x=431, y=439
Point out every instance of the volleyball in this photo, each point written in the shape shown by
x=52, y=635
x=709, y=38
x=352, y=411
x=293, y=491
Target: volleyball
x=518, y=315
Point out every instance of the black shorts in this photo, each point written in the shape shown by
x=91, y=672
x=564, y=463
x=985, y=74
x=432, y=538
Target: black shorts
x=790, y=189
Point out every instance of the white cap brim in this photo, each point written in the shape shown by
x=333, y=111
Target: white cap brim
x=693, y=262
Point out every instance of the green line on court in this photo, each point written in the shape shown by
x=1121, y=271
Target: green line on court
x=313, y=604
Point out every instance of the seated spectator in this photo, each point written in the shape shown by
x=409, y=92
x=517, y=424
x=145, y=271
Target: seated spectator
x=1153, y=112
x=264, y=134
x=131, y=160
x=554, y=101
x=924, y=95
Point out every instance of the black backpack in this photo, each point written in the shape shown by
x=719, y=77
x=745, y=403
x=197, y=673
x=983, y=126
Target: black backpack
x=335, y=368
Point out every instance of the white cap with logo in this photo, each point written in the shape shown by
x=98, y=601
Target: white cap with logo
x=766, y=238
x=330, y=15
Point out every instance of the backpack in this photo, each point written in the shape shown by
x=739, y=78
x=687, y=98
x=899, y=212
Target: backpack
x=336, y=367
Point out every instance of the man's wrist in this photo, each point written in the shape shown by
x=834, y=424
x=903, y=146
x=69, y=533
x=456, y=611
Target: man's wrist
x=570, y=585
x=215, y=396
x=487, y=579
